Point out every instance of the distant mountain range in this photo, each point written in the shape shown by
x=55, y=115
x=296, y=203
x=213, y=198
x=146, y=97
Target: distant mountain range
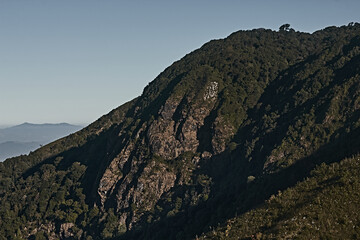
x=26, y=137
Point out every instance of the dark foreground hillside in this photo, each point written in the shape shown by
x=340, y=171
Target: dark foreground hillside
x=325, y=205
x=222, y=144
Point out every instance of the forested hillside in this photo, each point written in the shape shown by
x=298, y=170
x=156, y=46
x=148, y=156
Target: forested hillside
x=251, y=136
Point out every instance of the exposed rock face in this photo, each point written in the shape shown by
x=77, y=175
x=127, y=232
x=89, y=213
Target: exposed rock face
x=65, y=230
x=135, y=182
x=211, y=91
x=48, y=228
x=169, y=138
x=222, y=132
x=141, y=198
x=113, y=173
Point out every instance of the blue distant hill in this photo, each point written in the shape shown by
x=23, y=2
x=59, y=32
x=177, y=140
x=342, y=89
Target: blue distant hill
x=26, y=137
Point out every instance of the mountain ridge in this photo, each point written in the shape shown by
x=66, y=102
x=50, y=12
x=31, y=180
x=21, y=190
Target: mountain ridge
x=217, y=133
x=26, y=137
x=43, y=124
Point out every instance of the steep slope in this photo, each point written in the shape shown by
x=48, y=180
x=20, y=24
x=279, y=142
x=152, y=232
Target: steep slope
x=323, y=206
x=216, y=133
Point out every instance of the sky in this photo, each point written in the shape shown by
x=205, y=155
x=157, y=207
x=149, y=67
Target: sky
x=75, y=60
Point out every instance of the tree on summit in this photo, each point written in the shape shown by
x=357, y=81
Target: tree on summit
x=285, y=28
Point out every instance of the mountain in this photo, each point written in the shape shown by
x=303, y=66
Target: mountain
x=26, y=137
x=254, y=136
x=28, y=132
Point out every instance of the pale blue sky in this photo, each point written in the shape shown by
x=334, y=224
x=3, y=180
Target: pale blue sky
x=75, y=60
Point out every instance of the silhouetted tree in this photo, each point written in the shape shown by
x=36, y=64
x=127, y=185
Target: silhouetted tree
x=284, y=27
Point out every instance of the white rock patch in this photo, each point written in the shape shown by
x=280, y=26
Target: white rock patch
x=211, y=91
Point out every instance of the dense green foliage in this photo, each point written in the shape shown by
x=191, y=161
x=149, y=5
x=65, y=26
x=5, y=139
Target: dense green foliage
x=286, y=103
x=323, y=206
x=44, y=187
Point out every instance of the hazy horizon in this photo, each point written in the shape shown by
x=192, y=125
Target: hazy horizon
x=3, y=126
x=23, y=138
